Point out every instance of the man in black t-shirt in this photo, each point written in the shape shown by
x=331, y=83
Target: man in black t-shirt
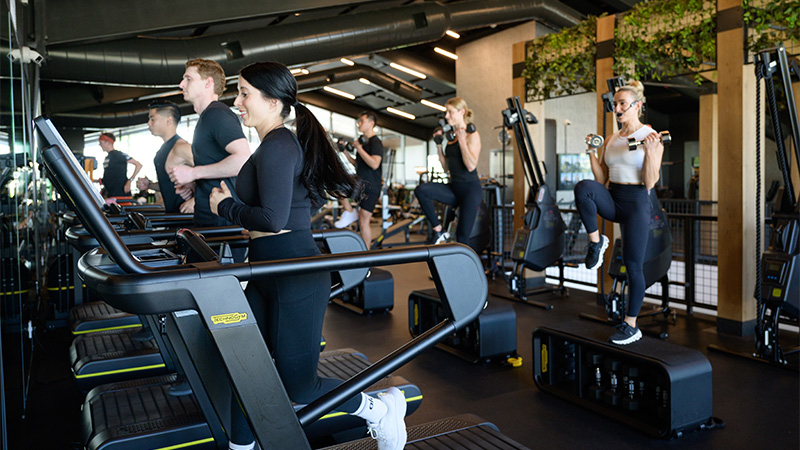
x=369, y=154
x=162, y=121
x=115, y=169
x=219, y=147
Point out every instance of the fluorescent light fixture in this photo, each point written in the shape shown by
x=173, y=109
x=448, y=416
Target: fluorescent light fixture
x=452, y=34
x=433, y=105
x=444, y=52
x=365, y=81
x=401, y=113
x=347, y=61
x=299, y=71
x=341, y=93
x=408, y=71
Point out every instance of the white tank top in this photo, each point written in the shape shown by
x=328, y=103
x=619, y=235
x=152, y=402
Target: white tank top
x=625, y=166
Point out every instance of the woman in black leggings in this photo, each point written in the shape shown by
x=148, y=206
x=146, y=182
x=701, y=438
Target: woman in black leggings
x=630, y=176
x=277, y=186
x=460, y=158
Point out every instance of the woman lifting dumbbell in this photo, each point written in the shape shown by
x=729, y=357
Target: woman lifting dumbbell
x=629, y=161
x=460, y=158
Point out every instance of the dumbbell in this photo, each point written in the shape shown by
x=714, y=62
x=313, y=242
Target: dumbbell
x=450, y=133
x=362, y=140
x=594, y=140
x=666, y=139
x=630, y=376
x=613, y=395
x=596, y=390
x=344, y=146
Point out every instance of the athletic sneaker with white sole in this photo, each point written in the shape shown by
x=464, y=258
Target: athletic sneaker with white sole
x=594, y=253
x=625, y=334
x=390, y=431
x=346, y=219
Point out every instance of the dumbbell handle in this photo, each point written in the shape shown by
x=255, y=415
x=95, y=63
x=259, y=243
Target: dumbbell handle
x=666, y=139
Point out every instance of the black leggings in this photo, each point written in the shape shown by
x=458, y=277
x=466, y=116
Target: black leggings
x=290, y=311
x=628, y=205
x=466, y=196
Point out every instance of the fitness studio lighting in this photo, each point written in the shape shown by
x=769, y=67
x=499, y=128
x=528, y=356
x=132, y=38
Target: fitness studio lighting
x=401, y=113
x=347, y=61
x=452, y=34
x=444, y=52
x=408, y=71
x=430, y=104
x=365, y=81
x=344, y=94
x=299, y=71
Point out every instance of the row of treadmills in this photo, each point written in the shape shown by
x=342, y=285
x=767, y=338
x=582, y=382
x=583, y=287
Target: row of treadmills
x=174, y=338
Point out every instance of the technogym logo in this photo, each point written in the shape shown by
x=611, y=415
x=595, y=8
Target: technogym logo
x=229, y=318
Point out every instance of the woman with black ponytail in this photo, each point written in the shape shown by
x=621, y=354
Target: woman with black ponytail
x=277, y=186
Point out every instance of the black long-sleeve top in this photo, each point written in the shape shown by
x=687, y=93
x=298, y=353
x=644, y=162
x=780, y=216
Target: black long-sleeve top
x=270, y=187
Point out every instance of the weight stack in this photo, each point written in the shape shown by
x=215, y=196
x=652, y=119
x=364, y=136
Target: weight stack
x=492, y=335
x=654, y=386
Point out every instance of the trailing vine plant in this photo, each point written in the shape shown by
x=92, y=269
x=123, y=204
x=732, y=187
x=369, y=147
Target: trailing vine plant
x=660, y=39
x=562, y=63
x=771, y=23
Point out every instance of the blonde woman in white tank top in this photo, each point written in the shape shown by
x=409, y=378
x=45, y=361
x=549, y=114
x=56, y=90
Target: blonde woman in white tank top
x=629, y=176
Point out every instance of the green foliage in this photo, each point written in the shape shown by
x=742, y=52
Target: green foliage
x=659, y=39
x=771, y=22
x=562, y=63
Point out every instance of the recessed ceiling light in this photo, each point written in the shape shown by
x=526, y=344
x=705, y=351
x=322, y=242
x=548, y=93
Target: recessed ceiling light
x=347, y=61
x=408, y=71
x=444, y=52
x=433, y=105
x=401, y=113
x=365, y=81
x=452, y=34
x=341, y=93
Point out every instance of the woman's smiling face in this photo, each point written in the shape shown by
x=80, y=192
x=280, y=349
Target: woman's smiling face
x=253, y=107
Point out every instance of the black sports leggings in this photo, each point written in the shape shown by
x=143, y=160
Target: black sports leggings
x=628, y=205
x=466, y=196
x=290, y=311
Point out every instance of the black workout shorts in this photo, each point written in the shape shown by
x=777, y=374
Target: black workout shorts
x=368, y=203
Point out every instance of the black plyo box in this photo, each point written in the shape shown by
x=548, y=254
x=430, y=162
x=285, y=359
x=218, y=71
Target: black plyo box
x=673, y=384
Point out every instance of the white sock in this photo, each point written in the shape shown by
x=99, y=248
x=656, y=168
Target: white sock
x=250, y=446
x=371, y=409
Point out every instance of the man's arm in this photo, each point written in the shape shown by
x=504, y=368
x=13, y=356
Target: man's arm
x=373, y=161
x=239, y=152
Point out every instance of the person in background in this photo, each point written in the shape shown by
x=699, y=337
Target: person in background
x=277, y=186
x=163, y=121
x=116, y=182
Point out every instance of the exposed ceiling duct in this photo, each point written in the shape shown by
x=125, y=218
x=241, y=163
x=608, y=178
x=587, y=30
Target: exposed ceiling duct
x=160, y=61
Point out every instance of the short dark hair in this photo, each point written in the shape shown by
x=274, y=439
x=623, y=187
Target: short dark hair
x=166, y=108
x=370, y=116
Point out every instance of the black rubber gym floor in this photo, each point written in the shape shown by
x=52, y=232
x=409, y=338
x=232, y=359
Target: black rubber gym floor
x=758, y=402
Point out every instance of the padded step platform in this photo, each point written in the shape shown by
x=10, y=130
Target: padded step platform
x=109, y=356
x=139, y=414
x=466, y=431
x=100, y=316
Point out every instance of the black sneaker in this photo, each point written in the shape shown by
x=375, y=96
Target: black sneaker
x=439, y=237
x=625, y=334
x=594, y=253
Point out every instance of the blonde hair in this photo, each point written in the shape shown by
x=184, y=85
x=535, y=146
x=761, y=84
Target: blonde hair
x=636, y=88
x=207, y=68
x=460, y=103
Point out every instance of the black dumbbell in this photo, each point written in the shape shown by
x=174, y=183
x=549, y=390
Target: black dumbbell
x=594, y=140
x=633, y=144
x=344, y=146
x=596, y=390
x=362, y=140
x=613, y=395
x=629, y=378
x=450, y=133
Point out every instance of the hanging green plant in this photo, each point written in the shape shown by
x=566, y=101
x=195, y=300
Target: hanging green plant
x=562, y=63
x=771, y=23
x=659, y=39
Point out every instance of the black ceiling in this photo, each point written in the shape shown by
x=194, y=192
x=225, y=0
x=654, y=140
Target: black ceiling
x=58, y=26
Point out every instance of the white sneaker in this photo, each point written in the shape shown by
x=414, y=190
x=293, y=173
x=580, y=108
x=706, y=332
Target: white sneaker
x=442, y=238
x=346, y=219
x=390, y=431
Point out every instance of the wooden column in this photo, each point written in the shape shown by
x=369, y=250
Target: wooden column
x=709, y=147
x=518, y=90
x=604, y=70
x=736, y=306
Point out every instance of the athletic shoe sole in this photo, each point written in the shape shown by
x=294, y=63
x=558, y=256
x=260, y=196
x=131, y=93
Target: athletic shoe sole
x=602, y=252
x=630, y=340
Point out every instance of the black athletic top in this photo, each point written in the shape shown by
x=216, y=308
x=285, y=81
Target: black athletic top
x=455, y=164
x=115, y=173
x=172, y=201
x=270, y=187
x=371, y=177
x=217, y=127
